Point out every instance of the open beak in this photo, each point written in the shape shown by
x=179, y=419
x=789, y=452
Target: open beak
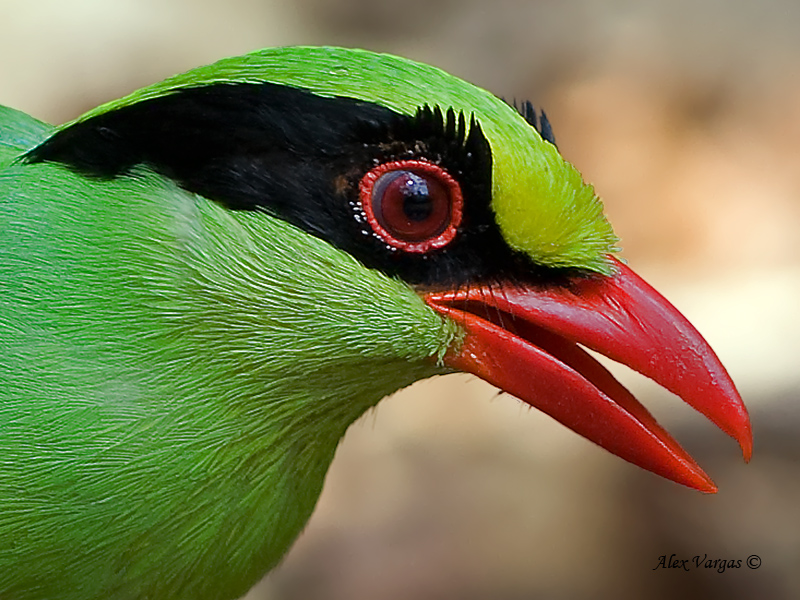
x=527, y=341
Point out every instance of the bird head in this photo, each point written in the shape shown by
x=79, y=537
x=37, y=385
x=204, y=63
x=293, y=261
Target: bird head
x=449, y=193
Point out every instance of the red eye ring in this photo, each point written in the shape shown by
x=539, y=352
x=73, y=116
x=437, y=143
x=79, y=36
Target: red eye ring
x=435, y=177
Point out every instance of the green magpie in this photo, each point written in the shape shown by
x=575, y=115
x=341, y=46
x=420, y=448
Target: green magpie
x=205, y=283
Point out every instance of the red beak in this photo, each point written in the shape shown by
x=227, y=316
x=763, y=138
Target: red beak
x=526, y=342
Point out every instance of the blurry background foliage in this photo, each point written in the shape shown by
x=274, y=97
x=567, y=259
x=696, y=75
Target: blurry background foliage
x=686, y=117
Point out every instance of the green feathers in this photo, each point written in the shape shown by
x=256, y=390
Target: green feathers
x=176, y=378
x=175, y=374
x=542, y=204
x=19, y=132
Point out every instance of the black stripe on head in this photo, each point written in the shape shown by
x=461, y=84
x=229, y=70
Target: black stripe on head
x=300, y=157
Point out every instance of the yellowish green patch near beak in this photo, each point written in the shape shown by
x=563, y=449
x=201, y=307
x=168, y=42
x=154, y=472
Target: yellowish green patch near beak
x=541, y=203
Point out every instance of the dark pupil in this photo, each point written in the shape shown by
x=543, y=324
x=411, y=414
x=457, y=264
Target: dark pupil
x=417, y=203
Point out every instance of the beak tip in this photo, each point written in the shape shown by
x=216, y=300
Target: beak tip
x=696, y=478
x=747, y=449
x=744, y=436
x=702, y=482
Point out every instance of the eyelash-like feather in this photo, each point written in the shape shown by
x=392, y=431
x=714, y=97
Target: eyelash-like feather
x=536, y=119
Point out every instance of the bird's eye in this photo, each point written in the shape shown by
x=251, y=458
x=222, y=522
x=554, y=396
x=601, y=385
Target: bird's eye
x=412, y=205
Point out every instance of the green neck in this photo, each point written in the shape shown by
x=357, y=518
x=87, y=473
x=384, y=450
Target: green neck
x=210, y=375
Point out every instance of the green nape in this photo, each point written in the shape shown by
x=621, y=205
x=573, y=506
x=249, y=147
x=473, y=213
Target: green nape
x=175, y=380
x=19, y=132
x=541, y=203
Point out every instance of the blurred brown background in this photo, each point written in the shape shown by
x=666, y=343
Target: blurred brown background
x=686, y=117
